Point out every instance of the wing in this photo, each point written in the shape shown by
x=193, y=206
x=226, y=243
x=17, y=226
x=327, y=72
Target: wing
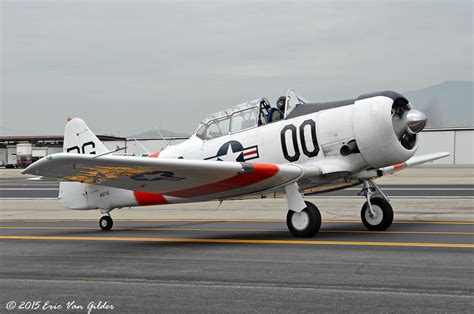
x=413, y=161
x=173, y=177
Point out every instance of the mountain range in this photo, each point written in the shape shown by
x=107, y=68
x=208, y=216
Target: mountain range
x=449, y=104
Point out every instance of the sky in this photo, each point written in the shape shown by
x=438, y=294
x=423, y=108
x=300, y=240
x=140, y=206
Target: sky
x=126, y=67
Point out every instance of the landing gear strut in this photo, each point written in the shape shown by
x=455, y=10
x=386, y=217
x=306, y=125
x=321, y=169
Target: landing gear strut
x=306, y=223
x=106, y=222
x=376, y=213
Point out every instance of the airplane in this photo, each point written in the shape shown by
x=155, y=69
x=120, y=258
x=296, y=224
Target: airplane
x=254, y=150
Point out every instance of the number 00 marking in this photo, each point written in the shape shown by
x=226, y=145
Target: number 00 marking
x=292, y=129
x=315, y=151
x=294, y=140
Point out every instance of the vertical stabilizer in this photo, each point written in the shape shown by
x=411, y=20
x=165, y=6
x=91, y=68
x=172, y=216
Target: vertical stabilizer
x=79, y=139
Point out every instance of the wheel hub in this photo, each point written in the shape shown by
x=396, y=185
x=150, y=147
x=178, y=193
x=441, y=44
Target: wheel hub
x=300, y=220
x=375, y=218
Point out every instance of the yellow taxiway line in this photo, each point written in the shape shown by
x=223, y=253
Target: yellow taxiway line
x=235, y=230
x=243, y=241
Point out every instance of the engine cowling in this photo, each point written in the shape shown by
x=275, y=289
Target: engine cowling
x=386, y=129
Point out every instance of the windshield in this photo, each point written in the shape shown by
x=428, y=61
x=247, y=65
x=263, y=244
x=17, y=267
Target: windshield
x=292, y=101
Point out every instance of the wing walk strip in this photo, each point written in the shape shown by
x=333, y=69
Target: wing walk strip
x=238, y=230
x=242, y=241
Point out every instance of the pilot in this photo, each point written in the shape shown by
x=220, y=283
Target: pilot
x=281, y=104
x=277, y=113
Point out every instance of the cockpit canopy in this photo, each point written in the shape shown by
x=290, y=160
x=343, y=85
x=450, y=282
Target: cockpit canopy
x=242, y=117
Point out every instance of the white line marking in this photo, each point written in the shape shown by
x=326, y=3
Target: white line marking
x=30, y=189
x=26, y=198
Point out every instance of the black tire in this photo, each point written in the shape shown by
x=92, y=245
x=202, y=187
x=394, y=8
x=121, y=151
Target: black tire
x=106, y=223
x=380, y=206
x=312, y=226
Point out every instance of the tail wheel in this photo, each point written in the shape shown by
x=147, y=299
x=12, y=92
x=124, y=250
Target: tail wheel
x=106, y=223
x=306, y=223
x=382, y=217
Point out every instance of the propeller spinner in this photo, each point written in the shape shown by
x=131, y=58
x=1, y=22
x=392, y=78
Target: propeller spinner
x=411, y=122
x=407, y=124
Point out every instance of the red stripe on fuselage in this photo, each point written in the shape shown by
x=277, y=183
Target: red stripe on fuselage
x=144, y=198
x=259, y=173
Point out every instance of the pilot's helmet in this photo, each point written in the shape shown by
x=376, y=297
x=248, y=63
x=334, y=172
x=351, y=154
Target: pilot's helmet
x=281, y=103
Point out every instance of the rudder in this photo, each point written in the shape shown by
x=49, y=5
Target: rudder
x=79, y=139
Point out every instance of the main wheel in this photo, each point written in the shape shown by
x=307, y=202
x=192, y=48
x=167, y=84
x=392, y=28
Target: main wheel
x=106, y=223
x=306, y=223
x=383, y=214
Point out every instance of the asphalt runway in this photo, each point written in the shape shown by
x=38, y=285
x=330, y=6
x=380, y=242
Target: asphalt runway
x=239, y=265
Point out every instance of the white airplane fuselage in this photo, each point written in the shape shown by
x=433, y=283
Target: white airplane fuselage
x=307, y=138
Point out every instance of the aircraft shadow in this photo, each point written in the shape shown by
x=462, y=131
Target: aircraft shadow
x=331, y=231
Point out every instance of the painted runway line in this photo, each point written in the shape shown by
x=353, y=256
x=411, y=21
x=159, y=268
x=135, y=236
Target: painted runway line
x=242, y=241
x=232, y=220
x=236, y=230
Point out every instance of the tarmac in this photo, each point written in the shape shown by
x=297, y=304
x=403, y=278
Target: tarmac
x=240, y=256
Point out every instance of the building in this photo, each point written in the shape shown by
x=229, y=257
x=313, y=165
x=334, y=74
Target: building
x=20, y=151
